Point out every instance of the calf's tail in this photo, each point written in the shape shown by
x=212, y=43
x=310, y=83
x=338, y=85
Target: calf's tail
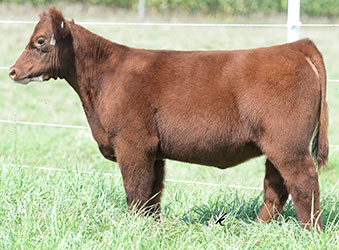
x=320, y=147
x=320, y=141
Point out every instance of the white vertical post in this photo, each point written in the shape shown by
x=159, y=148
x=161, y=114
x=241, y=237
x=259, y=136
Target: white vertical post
x=293, y=20
x=141, y=9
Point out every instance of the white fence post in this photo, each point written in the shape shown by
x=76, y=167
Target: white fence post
x=293, y=20
x=141, y=9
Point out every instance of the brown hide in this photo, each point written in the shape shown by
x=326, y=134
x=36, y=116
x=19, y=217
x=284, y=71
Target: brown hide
x=216, y=108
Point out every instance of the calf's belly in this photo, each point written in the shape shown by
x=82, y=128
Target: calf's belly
x=221, y=157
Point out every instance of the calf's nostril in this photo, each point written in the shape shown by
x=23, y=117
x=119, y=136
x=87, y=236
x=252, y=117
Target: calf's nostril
x=12, y=72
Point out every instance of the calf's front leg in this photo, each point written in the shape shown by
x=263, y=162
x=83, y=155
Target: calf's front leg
x=157, y=186
x=142, y=174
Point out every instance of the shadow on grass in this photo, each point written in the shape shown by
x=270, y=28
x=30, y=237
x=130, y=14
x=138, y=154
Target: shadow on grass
x=239, y=207
x=246, y=209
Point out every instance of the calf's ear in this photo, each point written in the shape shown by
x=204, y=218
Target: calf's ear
x=60, y=27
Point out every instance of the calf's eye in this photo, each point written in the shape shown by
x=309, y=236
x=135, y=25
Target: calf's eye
x=41, y=41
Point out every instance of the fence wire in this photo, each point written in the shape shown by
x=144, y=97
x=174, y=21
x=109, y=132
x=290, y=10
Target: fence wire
x=44, y=168
x=221, y=25
x=42, y=124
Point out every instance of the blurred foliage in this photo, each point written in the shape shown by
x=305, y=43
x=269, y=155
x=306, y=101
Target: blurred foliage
x=229, y=7
x=329, y=8
x=127, y=4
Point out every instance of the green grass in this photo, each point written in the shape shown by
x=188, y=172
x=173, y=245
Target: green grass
x=74, y=210
x=78, y=211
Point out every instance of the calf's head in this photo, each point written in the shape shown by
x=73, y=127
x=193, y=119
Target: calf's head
x=47, y=51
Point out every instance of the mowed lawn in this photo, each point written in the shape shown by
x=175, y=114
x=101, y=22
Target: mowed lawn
x=81, y=205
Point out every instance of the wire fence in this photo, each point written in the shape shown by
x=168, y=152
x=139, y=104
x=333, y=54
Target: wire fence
x=42, y=124
x=145, y=24
x=225, y=25
x=44, y=168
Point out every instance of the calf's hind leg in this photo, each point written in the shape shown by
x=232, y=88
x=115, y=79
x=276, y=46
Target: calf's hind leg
x=275, y=194
x=301, y=179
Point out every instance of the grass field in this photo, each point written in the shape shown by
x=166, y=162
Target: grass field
x=74, y=209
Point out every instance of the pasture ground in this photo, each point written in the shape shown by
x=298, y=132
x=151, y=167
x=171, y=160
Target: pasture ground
x=71, y=209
